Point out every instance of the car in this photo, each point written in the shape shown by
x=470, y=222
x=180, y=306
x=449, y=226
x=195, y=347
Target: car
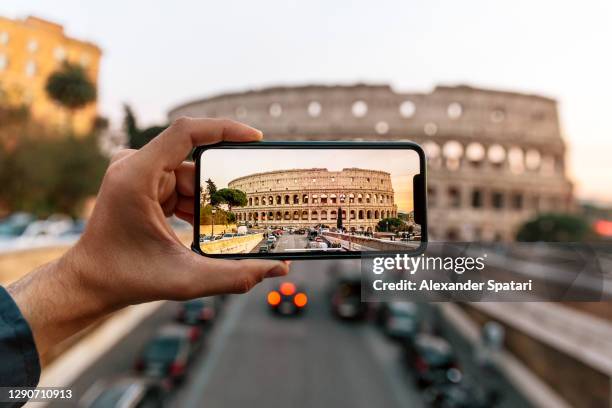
x=460, y=394
x=198, y=311
x=206, y=238
x=166, y=356
x=264, y=249
x=228, y=235
x=432, y=359
x=124, y=392
x=287, y=299
x=346, y=298
x=399, y=320
x=271, y=242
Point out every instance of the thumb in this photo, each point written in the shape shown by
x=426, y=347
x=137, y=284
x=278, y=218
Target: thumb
x=219, y=276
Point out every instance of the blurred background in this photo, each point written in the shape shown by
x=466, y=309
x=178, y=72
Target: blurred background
x=509, y=100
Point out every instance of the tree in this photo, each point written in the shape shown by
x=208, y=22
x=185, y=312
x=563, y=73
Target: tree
x=389, y=224
x=211, y=190
x=138, y=137
x=232, y=197
x=555, y=228
x=71, y=88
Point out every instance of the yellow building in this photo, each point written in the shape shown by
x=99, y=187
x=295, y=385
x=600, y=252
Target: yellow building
x=32, y=49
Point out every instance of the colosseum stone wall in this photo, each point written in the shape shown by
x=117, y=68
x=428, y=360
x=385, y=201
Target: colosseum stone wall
x=309, y=197
x=495, y=158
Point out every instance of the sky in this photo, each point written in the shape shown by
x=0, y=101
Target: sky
x=158, y=54
x=401, y=164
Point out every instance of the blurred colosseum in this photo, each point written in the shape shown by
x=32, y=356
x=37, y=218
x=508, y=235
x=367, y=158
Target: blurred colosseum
x=308, y=197
x=495, y=158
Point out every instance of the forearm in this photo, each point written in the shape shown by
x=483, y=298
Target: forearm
x=56, y=302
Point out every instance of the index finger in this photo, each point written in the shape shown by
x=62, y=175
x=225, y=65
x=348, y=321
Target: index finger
x=170, y=147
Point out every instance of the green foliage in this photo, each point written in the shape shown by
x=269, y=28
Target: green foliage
x=390, y=225
x=211, y=192
x=138, y=137
x=220, y=216
x=230, y=196
x=70, y=87
x=555, y=228
x=50, y=175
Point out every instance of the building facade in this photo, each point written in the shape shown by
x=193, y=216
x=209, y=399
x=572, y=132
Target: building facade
x=32, y=49
x=495, y=158
x=309, y=197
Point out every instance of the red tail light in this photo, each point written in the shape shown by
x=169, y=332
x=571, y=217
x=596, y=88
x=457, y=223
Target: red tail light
x=177, y=369
x=139, y=365
x=194, y=334
x=287, y=288
x=274, y=298
x=420, y=364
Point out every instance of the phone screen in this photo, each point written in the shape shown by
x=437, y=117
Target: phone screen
x=283, y=201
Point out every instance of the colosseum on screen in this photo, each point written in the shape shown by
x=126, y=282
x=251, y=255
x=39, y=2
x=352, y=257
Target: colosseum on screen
x=302, y=200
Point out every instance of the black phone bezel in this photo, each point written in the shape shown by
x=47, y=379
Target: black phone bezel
x=419, y=183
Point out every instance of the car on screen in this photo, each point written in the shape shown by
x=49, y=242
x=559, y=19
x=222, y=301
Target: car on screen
x=166, y=356
x=198, y=311
x=264, y=249
x=431, y=359
x=124, y=392
x=271, y=242
x=346, y=297
x=287, y=299
x=399, y=320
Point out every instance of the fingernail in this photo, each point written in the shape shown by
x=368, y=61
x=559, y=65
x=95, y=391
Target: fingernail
x=287, y=262
x=278, y=270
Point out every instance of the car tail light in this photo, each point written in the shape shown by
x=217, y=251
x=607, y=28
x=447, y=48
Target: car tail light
x=194, y=334
x=177, y=369
x=300, y=300
x=274, y=298
x=420, y=364
x=208, y=314
x=287, y=288
x=139, y=365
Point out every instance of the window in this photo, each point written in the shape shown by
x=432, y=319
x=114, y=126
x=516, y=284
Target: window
x=476, y=199
x=430, y=129
x=407, y=109
x=382, y=127
x=517, y=201
x=497, y=200
x=360, y=109
x=314, y=109
x=454, y=110
x=30, y=68
x=498, y=115
x=275, y=110
x=32, y=46
x=3, y=62
x=59, y=53
x=454, y=197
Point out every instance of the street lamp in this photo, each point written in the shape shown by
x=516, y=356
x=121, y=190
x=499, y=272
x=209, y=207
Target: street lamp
x=212, y=224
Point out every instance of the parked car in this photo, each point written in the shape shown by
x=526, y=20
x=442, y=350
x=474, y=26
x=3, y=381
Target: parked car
x=399, y=320
x=264, y=249
x=287, y=299
x=271, y=242
x=432, y=360
x=460, y=394
x=228, y=235
x=346, y=297
x=124, y=392
x=166, y=355
x=198, y=311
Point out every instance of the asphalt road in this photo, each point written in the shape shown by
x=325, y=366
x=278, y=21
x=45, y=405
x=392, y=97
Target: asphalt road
x=258, y=359
x=286, y=241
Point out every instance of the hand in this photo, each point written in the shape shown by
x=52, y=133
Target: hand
x=128, y=253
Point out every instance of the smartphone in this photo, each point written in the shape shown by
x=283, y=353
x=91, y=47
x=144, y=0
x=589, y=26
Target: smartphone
x=309, y=200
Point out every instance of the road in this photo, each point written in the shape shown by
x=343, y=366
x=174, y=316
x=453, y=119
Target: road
x=286, y=242
x=254, y=358
x=259, y=359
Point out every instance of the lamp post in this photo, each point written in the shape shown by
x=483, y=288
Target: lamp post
x=212, y=224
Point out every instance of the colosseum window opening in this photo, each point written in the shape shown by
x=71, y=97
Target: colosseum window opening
x=407, y=109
